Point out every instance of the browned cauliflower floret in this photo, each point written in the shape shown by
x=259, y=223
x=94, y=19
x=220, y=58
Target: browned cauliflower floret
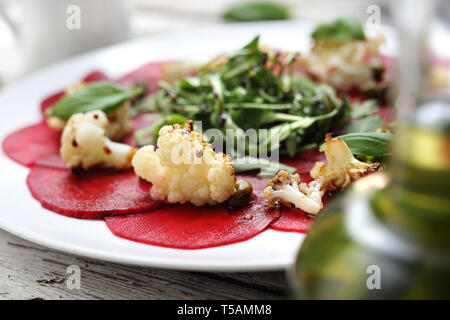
x=342, y=64
x=120, y=124
x=85, y=143
x=289, y=190
x=185, y=169
x=341, y=169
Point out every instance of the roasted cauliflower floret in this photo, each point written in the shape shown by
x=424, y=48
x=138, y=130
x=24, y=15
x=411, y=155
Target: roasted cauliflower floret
x=341, y=169
x=120, y=123
x=289, y=190
x=185, y=169
x=85, y=143
x=343, y=64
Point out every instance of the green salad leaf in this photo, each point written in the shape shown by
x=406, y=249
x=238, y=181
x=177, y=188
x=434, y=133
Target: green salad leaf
x=341, y=29
x=104, y=96
x=255, y=11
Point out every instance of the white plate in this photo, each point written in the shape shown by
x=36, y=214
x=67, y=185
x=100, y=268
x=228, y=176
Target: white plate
x=23, y=216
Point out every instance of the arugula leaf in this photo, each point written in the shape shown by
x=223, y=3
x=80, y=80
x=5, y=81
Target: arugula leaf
x=103, y=96
x=340, y=30
x=374, y=144
x=255, y=11
x=253, y=45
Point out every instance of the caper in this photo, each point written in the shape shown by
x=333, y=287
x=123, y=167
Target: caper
x=242, y=195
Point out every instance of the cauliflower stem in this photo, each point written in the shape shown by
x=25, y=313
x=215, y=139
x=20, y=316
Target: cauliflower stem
x=287, y=189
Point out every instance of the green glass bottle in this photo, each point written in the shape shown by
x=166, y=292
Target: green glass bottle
x=388, y=236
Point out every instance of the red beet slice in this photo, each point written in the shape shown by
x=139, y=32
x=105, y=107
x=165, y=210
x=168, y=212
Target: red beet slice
x=92, y=194
x=189, y=227
x=304, y=161
x=32, y=143
x=149, y=74
x=302, y=166
x=311, y=155
x=293, y=220
x=51, y=161
x=95, y=76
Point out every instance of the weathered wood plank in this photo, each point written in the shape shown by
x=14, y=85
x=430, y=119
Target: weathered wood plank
x=29, y=271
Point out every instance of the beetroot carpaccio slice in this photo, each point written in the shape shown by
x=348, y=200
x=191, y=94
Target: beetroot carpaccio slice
x=51, y=161
x=95, y=76
x=190, y=227
x=149, y=74
x=92, y=194
x=29, y=144
x=292, y=220
x=304, y=161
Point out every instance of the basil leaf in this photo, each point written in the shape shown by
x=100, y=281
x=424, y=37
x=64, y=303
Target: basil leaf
x=374, y=144
x=103, y=96
x=340, y=30
x=252, y=163
x=256, y=11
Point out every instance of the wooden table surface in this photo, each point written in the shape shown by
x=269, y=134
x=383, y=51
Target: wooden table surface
x=30, y=271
